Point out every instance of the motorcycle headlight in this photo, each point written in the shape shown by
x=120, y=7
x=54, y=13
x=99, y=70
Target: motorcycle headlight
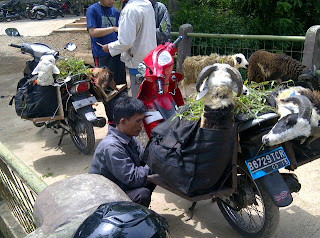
x=164, y=58
x=142, y=68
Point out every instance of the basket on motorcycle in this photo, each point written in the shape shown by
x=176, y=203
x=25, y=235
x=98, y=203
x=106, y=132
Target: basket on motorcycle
x=190, y=159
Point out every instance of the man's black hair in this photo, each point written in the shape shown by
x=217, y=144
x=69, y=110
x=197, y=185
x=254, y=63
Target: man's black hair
x=126, y=107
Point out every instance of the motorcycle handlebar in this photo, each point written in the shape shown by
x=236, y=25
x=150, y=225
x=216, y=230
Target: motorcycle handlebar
x=14, y=45
x=176, y=42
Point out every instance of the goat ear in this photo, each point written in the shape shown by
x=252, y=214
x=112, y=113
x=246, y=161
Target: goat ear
x=205, y=72
x=35, y=70
x=55, y=70
x=203, y=90
x=236, y=77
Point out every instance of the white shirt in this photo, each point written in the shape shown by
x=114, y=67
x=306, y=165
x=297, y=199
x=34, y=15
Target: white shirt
x=137, y=33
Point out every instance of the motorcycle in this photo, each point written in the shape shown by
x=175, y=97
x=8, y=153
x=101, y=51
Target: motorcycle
x=252, y=189
x=74, y=113
x=49, y=9
x=11, y=10
x=69, y=8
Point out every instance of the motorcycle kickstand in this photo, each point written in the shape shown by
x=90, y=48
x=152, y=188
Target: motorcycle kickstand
x=191, y=209
x=62, y=135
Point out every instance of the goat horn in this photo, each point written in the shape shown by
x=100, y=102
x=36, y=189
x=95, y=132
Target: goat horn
x=236, y=76
x=205, y=72
x=304, y=104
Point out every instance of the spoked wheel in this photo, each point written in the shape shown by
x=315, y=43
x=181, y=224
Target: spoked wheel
x=251, y=212
x=82, y=134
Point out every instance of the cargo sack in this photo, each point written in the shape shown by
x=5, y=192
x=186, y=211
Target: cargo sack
x=188, y=158
x=32, y=100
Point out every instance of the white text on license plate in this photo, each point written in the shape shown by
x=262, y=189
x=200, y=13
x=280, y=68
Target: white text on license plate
x=267, y=163
x=84, y=102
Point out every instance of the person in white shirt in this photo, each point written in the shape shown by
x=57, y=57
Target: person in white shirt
x=136, y=37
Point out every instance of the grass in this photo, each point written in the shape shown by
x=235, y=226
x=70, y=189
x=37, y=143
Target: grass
x=249, y=105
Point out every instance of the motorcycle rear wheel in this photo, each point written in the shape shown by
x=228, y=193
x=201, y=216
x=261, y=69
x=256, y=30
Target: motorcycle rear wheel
x=82, y=134
x=39, y=15
x=256, y=214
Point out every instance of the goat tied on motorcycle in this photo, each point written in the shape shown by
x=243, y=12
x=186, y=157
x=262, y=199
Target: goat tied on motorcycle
x=188, y=158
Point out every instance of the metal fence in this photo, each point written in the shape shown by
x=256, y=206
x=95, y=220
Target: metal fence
x=19, y=187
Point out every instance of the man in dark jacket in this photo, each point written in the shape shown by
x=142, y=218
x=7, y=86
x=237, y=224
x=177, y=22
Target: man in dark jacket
x=118, y=155
x=163, y=24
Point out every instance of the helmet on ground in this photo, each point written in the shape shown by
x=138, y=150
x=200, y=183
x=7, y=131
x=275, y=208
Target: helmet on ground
x=123, y=220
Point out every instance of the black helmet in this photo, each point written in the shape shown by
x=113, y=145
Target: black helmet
x=123, y=219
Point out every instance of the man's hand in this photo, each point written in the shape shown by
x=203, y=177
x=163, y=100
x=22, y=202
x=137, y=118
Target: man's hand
x=106, y=48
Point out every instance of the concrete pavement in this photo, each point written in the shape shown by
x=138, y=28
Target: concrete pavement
x=28, y=27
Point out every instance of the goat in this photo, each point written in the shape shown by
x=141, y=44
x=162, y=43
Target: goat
x=45, y=70
x=215, y=83
x=103, y=77
x=299, y=116
x=279, y=67
x=192, y=66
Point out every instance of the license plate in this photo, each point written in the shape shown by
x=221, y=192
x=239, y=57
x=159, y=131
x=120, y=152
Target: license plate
x=267, y=163
x=84, y=102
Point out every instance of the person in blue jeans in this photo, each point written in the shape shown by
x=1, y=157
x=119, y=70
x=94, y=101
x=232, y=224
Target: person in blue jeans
x=136, y=38
x=102, y=24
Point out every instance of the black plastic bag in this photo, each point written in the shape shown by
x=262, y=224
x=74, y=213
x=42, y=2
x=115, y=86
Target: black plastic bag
x=33, y=101
x=188, y=158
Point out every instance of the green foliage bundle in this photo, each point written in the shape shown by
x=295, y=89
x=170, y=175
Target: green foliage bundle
x=71, y=66
x=249, y=106
x=256, y=102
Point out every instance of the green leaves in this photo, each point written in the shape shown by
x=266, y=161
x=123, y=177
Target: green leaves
x=71, y=66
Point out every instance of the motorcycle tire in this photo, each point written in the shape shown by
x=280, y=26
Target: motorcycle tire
x=82, y=133
x=30, y=15
x=38, y=15
x=53, y=14
x=256, y=214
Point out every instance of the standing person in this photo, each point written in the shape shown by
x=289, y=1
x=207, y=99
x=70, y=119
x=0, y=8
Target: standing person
x=136, y=37
x=162, y=18
x=102, y=24
x=118, y=155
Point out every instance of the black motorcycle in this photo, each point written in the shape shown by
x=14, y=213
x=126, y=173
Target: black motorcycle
x=66, y=104
x=11, y=11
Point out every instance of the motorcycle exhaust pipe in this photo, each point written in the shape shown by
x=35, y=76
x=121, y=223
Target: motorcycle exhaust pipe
x=99, y=122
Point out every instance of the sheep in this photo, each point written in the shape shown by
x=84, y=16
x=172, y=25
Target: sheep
x=279, y=67
x=299, y=109
x=216, y=90
x=192, y=66
x=45, y=70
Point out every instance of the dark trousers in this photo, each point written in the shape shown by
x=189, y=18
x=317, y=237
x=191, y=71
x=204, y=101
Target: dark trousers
x=118, y=68
x=142, y=195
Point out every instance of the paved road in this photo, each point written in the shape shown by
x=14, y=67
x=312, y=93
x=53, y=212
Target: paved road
x=28, y=27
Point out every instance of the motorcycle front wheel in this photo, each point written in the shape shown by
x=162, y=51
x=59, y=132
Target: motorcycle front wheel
x=82, y=134
x=252, y=213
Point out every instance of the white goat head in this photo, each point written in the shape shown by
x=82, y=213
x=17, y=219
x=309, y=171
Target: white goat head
x=45, y=68
x=240, y=61
x=216, y=82
x=293, y=125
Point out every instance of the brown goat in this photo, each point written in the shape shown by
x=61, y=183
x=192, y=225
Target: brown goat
x=266, y=66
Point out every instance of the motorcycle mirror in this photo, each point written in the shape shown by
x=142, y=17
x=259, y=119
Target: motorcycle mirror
x=71, y=46
x=12, y=32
